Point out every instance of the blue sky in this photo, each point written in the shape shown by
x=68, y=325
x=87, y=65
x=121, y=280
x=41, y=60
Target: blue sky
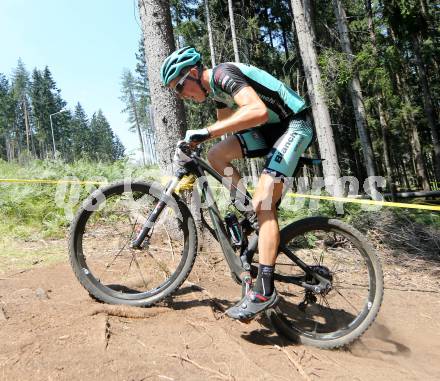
x=85, y=43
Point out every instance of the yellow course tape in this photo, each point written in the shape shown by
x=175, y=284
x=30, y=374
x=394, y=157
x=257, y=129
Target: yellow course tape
x=295, y=195
x=44, y=181
x=367, y=202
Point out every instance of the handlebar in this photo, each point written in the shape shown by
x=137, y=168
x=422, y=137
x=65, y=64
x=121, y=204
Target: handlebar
x=189, y=148
x=185, y=152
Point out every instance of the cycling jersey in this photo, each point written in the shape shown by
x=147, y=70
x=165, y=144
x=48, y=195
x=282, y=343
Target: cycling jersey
x=227, y=79
x=285, y=136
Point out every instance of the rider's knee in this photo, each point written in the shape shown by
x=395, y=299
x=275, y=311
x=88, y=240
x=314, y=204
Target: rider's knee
x=267, y=195
x=264, y=202
x=214, y=155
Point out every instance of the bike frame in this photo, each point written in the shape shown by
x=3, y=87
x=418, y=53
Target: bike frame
x=240, y=269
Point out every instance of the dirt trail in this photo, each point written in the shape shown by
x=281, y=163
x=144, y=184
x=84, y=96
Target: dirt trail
x=51, y=330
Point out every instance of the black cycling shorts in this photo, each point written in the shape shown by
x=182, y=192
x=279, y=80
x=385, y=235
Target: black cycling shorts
x=282, y=143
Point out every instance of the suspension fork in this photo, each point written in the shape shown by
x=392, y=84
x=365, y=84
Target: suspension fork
x=154, y=215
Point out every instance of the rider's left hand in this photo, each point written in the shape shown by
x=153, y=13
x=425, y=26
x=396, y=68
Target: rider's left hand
x=197, y=136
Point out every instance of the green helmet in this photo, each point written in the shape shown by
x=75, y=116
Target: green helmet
x=176, y=61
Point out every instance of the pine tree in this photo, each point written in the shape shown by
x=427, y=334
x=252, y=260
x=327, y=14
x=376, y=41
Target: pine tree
x=46, y=100
x=118, y=149
x=133, y=106
x=6, y=114
x=142, y=90
x=102, y=138
x=20, y=94
x=81, y=136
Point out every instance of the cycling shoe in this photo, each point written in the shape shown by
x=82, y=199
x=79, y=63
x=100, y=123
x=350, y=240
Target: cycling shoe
x=251, y=305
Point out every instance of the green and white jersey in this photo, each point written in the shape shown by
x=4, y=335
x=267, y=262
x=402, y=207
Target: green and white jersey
x=227, y=79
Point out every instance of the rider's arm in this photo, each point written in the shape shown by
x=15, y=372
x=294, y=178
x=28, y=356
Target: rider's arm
x=251, y=112
x=223, y=113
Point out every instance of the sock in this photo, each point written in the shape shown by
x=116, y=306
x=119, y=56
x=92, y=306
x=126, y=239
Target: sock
x=264, y=284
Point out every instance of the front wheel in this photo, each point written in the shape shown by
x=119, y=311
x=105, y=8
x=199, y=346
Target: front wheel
x=100, y=245
x=340, y=314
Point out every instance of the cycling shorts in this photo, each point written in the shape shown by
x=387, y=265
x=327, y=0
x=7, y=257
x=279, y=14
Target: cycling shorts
x=282, y=143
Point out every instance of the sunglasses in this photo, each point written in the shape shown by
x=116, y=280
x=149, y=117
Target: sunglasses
x=179, y=85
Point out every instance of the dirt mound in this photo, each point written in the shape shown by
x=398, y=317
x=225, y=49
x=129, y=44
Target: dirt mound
x=50, y=329
x=400, y=235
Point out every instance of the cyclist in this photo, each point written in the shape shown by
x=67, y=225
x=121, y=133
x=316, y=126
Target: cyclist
x=267, y=118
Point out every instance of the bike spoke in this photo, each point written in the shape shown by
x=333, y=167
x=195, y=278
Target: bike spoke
x=140, y=271
x=331, y=310
x=314, y=258
x=343, y=297
x=118, y=253
x=321, y=258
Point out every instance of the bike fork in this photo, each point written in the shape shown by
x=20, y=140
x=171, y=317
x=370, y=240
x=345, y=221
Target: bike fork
x=152, y=218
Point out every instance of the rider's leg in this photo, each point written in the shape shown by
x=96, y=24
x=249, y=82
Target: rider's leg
x=281, y=161
x=267, y=194
x=220, y=157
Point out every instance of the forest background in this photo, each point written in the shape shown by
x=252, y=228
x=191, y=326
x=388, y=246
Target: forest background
x=368, y=69
x=379, y=79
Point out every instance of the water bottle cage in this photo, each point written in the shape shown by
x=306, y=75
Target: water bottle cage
x=235, y=230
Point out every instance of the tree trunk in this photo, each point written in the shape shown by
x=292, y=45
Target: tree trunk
x=422, y=178
x=405, y=176
x=386, y=153
x=254, y=172
x=269, y=29
x=233, y=35
x=379, y=99
x=286, y=49
x=355, y=91
x=168, y=111
x=427, y=104
x=146, y=148
x=320, y=110
x=411, y=126
x=308, y=14
x=416, y=146
x=152, y=134
x=210, y=37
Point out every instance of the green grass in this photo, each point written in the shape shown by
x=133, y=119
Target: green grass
x=35, y=211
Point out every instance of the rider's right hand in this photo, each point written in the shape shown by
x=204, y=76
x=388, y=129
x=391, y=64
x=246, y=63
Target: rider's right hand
x=197, y=136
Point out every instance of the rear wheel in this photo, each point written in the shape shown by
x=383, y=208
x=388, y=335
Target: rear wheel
x=100, y=252
x=340, y=314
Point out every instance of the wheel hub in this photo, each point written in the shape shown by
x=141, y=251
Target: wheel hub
x=325, y=273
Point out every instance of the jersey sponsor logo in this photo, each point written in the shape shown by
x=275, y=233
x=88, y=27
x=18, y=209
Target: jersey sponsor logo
x=225, y=79
x=282, y=151
x=281, y=110
x=278, y=158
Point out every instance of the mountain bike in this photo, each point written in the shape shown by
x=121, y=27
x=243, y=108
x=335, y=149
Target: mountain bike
x=136, y=242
